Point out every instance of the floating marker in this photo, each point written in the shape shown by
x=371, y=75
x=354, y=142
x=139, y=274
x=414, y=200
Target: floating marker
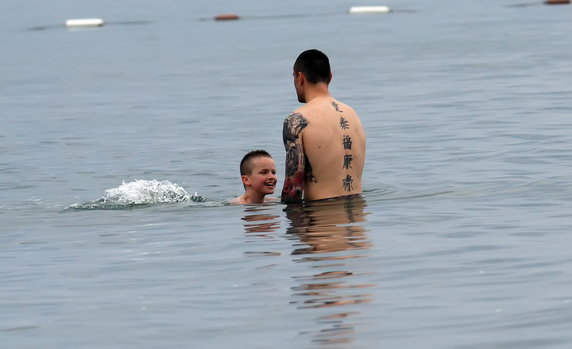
x=86, y=22
x=369, y=9
x=556, y=2
x=227, y=17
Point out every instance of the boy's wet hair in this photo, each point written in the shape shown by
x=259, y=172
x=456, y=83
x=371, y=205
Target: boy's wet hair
x=315, y=66
x=246, y=163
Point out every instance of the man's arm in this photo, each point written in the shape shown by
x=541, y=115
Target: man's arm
x=295, y=158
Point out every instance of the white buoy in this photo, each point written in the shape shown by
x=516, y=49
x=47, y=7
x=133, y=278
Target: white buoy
x=354, y=10
x=85, y=22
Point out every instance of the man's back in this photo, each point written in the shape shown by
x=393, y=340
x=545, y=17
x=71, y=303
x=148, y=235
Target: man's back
x=324, y=139
x=334, y=146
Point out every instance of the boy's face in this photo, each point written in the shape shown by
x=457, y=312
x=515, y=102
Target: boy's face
x=263, y=178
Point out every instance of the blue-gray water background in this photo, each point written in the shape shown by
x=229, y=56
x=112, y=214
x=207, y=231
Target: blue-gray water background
x=461, y=240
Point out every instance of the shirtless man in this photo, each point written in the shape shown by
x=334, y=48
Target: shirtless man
x=324, y=138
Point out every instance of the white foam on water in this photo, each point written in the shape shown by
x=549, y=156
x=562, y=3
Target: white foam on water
x=140, y=193
x=146, y=192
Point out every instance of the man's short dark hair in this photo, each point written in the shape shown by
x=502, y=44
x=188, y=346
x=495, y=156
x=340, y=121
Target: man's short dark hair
x=315, y=66
x=246, y=163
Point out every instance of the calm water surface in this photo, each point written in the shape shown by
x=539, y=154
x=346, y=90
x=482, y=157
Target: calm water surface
x=460, y=240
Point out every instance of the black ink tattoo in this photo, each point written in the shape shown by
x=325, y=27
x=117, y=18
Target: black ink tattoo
x=309, y=176
x=347, y=141
x=291, y=160
x=348, y=161
x=347, y=183
x=344, y=124
x=336, y=107
x=293, y=125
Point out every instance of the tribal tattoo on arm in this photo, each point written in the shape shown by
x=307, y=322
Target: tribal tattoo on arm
x=295, y=158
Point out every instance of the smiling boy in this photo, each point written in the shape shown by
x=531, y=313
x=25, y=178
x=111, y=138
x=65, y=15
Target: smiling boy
x=258, y=173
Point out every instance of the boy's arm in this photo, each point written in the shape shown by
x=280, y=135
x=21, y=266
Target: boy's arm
x=295, y=158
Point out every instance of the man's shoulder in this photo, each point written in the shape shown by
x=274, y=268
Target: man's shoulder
x=306, y=113
x=299, y=112
x=296, y=119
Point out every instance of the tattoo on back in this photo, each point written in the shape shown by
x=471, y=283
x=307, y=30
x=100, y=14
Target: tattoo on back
x=336, y=107
x=347, y=142
x=348, y=158
x=347, y=183
x=344, y=124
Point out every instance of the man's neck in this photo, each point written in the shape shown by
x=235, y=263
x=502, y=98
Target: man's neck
x=317, y=91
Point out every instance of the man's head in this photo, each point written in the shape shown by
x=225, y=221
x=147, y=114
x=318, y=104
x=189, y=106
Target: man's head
x=258, y=171
x=313, y=67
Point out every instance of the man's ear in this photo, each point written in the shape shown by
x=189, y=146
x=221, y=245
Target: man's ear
x=330, y=78
x=301, y=78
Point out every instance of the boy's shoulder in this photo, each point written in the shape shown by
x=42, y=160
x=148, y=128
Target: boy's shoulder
x=238, y=200
x=241, y=201
x=270, y=199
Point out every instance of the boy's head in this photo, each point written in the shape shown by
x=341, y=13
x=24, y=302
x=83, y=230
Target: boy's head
x=258, y=172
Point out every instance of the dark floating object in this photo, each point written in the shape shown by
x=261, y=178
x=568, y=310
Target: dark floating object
x=227, y=17
x=557, y=2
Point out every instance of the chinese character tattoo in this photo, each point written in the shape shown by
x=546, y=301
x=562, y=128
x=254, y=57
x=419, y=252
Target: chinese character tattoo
x=347, y=142
x=344, y=124
x=336, y=107
x=348, y=183
x=348, y=161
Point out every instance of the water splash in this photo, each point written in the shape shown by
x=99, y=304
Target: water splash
x=141, y=192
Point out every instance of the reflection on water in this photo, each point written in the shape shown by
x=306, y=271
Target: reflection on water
x=329, y=225
x=258, y=223
x=329, y=235
x=329, y=243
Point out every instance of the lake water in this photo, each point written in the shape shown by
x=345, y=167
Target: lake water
x=460, y=239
